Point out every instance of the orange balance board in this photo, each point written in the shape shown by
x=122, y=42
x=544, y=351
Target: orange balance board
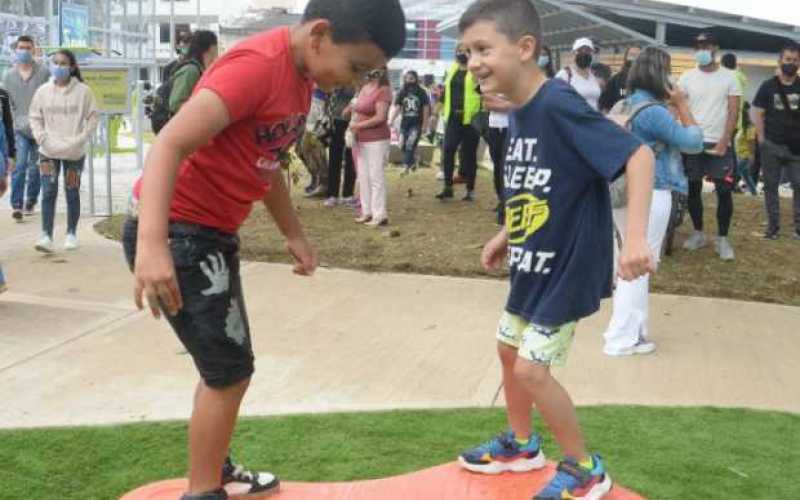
x=445, y=482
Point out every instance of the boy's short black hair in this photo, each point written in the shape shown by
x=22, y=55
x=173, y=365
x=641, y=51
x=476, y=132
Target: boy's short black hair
x=729, y=60
x=381, y=22
x=513, y=18
x=26, y=38
x=201, y=41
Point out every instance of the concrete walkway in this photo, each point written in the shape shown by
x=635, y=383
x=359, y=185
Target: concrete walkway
x=73, y=349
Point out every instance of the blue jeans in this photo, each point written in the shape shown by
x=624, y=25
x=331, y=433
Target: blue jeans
x=410, y=138
x=51, y=169
x=27, y=168
x=743, y=170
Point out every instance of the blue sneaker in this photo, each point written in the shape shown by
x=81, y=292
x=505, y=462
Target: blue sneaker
x=504, y=453
x=575, y=482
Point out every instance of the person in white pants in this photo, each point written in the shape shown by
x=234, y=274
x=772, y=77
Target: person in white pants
x=372, y=136
x=649, y=119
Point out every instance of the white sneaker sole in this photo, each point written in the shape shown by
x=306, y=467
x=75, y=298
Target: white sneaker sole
x=641, y=350
x=599, y=490
x=44, y=249
x=493, y=468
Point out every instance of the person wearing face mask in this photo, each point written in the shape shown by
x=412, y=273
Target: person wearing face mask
x=414, y=105
x=615, y=90
x=579, y=74
x=21, y=83
x=714, y=96
x=461, y=103
x=372, y=134
x=182, y=51
x=63, y=118
x=203, y=51
x=546, y=62
x=776, y=115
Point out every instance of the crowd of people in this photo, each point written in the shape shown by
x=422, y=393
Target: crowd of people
x=582, y=157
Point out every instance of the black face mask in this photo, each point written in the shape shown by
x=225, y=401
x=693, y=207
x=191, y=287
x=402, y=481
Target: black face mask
x=409, y=84
x=462, y=58
x=789, y=70
x=583, y=60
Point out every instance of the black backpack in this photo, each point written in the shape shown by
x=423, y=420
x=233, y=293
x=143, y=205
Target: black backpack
x=160, y=114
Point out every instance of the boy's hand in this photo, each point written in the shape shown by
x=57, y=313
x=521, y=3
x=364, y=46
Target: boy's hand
x=635, y=260
x=304, y=254
x=494, y=252
x=155, y=279
x=720, y=149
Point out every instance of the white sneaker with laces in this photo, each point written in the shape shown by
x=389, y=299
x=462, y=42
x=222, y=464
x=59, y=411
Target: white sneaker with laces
x=331, y=202
x=45, y=244
x=696, y=240
x=70, y=242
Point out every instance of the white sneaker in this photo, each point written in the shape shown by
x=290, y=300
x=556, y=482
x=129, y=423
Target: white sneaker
x=70, y=242
x=440, y=176
x=695, y=241
x=724, y=248
x=642, y=347
x=45, y=244
x=331, y=202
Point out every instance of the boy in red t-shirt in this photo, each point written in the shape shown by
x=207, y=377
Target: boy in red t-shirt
x=219, y=155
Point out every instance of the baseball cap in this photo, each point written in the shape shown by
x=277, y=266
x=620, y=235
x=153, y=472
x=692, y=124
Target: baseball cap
x=705, y=38
x=582, y=42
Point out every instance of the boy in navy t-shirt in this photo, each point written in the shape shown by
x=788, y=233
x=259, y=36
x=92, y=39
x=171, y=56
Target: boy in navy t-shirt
x=558, y=239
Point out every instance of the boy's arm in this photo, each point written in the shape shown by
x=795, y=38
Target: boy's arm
x=636, y=258
x=279, y=204
x=197, y=123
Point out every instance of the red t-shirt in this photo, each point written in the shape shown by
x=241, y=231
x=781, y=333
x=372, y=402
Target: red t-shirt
x=267, y=100
x=365, y=108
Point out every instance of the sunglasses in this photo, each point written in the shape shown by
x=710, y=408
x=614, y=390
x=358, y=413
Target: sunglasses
x=374, y=74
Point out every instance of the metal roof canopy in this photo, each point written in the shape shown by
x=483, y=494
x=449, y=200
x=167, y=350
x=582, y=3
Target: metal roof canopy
x=624, y=22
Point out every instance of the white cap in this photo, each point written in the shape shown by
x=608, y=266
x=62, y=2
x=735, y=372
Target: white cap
x=582, y=42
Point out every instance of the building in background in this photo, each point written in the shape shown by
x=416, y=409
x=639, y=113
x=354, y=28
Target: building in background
x=256, y=20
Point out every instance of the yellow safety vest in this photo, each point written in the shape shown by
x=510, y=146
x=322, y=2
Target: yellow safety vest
x=472, y=100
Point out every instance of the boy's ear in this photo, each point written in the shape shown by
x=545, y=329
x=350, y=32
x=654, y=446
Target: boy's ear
x=527, y=46
x=319, y=30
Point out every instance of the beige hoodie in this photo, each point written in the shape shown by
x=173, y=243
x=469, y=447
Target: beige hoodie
x=63, y=119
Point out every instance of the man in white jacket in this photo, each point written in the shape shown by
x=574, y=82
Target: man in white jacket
x=63, y=117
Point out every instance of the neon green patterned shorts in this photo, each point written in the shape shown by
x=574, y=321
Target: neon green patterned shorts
x=545, y=345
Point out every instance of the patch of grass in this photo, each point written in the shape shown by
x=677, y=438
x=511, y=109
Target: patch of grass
x=663, y=453
x=430, y=237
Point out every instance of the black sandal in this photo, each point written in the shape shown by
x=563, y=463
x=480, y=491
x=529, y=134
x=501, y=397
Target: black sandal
x=260, y=482
x=220, y=494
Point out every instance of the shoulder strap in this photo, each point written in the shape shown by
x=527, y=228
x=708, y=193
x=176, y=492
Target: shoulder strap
x=635, y=110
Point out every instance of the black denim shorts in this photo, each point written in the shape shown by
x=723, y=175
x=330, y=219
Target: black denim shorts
x=705, y=165
x=213, y=323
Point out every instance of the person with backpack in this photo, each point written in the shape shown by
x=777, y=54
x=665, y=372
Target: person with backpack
x=182, y=51
x=746, y=150
x=179, y=82
x=580, y=75
x=776, y=115
x=644, y=112
x=203, y=51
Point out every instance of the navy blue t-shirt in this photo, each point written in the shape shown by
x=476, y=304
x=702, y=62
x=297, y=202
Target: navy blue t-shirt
x=561, y=156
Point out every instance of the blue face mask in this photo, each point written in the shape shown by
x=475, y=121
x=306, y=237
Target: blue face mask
x=60, y=73
x=543, y=61
x=24, y=56
x=703, y=57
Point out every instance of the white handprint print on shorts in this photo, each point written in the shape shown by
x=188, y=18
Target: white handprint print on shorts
x=217, y=274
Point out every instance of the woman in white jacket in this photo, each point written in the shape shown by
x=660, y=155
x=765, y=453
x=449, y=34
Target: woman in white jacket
x=63, y=117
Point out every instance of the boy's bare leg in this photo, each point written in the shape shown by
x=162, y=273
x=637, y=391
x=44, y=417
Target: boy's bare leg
x=210, y=430
x=555, y=406
x=518, y=398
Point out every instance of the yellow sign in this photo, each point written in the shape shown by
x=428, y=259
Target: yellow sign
x=111, y=88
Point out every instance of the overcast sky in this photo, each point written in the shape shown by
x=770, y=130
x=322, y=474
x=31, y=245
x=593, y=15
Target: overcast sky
x=773, y=10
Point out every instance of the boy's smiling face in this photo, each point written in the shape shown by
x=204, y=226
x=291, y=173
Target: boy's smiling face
x=332, y=65
x=497, y=62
